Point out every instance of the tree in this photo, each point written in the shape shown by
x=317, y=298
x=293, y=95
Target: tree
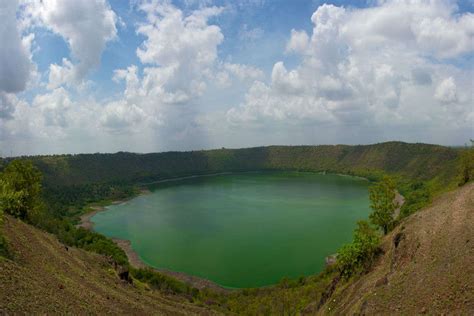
x=20, y=188
x=359, y=254
x=467, y=164
x=383, y=204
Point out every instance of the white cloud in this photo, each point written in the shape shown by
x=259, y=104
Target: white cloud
x=243, y=73
x=7, y=105
x=121, y=117
x=54, y=107
x=446, y=91
x=86, y=26
x=181, y=49
x=49, y=116
x=298, y=42
x=61, y=74
x=15, y=64
x=180, y=54
x=372, y=67
x=431, y=27
x=391, y=70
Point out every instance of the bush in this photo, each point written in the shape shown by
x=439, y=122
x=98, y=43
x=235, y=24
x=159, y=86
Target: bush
x=79, y=237
x=163, y=283
x=466, y=173
x=417, y=196
x=20, y=188
x=358, y=256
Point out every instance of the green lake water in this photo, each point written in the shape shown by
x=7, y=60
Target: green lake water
x=241, y=230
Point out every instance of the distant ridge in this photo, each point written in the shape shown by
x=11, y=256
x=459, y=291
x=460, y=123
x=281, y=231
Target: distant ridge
x=418, y=161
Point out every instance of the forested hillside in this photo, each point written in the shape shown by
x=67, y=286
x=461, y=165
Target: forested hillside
x=73, y=181
x=421, y=161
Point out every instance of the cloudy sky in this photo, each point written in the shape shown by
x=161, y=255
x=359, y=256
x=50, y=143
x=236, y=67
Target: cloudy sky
x=157, y=75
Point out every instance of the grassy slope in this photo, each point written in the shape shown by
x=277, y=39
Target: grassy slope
x=45, y=278
x=430, y=271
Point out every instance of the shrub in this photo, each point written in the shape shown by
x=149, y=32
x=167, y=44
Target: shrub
x=162, y=282
x=20, y=188
x=417, y=195
x=360, y=254
x=466, y=173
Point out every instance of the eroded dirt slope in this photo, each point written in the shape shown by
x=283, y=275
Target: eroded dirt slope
x=44, y=278
x=428, y=265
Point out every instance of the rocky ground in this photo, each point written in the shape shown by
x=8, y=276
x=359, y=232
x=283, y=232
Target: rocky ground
x=427, y=267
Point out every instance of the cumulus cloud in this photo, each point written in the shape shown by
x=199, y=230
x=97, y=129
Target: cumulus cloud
x=54, y=107
x=61, y=74
x=431, y=27
x=180, y=49
x=7, y=105
x=298, y=42
x=446, y=91
x=180, y=55
x=244, y=73
x=398, y=65
x=372, y=67
x=86, y=26
x=15, y=63
x=120, y=116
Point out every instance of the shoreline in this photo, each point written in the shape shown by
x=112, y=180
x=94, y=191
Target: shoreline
x=134, y=259
x=136, y=262
x=189, y=177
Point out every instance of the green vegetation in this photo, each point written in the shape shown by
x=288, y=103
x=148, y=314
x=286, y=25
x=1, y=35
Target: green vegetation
x=417, y=161
x=417, y=195
x=383, y=204
x=21, y=197
x=467, y=165
x=20, y=193
x=357, y=256
x=163, y=283
x=20, y=189
x=71, y=182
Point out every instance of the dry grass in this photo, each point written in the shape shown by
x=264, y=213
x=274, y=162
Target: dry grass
x=44, y=277
x=428, y=265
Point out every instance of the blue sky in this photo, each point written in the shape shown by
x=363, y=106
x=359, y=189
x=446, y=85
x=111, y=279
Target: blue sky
x=154, y=75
